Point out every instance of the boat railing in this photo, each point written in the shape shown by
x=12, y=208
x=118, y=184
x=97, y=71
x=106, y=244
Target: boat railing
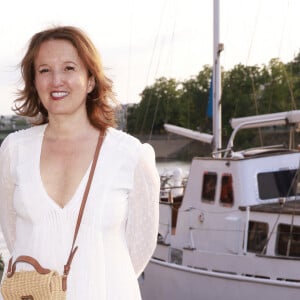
x=290, y=118
x=222, y=151
x=168, y=193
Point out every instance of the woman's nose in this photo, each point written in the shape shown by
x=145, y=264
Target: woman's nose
x=57, y=78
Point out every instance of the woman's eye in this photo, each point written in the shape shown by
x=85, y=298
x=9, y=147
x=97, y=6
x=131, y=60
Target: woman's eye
x=45, y=70
x=70, y=68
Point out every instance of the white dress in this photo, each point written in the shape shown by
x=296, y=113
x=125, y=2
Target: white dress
x=119, y=228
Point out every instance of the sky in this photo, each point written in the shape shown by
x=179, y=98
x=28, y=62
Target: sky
x=140, y=41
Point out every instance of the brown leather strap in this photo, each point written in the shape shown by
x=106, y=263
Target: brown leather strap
x=30, y=260
x=27, y=259
x=73, y=250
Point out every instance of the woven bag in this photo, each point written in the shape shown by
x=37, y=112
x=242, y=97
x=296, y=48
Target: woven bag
x=41, y=283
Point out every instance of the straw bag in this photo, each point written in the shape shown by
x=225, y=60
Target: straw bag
x=41, y=283
x=28, y=285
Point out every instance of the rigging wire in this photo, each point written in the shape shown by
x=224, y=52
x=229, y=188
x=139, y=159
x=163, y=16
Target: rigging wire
x=251, y=74
x=129, y=62
x=151, y=62
x=170, y=57
x=160, y=49
x=294, y=184
x=288, y=80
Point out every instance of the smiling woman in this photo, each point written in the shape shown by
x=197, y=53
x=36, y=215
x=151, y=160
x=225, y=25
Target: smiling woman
x=71, y=101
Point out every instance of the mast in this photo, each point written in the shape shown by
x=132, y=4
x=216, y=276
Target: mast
x=217, y=49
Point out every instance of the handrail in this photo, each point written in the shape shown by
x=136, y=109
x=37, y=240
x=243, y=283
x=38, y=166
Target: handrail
x=263, y=123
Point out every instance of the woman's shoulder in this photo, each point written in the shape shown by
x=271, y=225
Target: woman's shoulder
x=23, y=135
x=123, y=138
x=127, y=143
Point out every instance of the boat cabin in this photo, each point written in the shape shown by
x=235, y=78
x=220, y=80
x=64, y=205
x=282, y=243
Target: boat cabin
x=240, y=203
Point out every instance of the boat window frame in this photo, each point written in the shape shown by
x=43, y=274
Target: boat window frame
x=284, y=244
x=257, y=233
x=266, y=181
x=226, y=198
x=209, y=180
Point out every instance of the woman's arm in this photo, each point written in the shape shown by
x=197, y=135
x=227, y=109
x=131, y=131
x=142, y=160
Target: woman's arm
x=7, y=212
x=143, y=214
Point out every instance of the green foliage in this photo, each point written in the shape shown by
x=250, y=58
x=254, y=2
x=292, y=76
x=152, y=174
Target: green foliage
x=194, y=101
x=159, y=105
x=246, y=90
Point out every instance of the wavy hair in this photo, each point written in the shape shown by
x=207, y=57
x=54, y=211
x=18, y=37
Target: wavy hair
x=100, y=101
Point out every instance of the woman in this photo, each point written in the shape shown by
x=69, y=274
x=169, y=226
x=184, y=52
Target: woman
x=44, y=170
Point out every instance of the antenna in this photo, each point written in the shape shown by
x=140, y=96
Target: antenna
x=217, y=49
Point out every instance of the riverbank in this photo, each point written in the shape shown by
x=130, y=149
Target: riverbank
x=174, y=147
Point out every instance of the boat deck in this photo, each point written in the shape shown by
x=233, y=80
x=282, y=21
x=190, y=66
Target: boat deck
x=288, y=207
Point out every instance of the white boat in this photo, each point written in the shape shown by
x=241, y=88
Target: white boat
x=236, y=231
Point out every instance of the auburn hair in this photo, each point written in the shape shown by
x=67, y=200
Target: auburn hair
x=100, y=102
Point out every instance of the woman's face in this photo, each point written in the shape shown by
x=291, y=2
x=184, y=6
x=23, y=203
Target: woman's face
x=61, y=78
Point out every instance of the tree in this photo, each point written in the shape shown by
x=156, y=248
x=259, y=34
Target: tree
x=159, y=105
x=194, y=101
x=276, y=89
x=246, y=90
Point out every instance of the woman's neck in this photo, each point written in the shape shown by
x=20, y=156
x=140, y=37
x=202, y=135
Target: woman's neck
x=69, y=128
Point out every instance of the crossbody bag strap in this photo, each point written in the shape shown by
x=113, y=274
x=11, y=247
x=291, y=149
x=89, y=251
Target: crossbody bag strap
x=80, y=214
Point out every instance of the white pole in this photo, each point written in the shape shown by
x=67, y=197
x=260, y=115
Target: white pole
x=246, y=229
x=217, y=48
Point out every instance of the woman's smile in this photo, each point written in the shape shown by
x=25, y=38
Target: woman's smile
x=59, y=95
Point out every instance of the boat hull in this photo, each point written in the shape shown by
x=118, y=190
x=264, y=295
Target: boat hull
x=164, y=281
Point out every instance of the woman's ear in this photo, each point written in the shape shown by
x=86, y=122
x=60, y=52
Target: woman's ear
x=91, y=84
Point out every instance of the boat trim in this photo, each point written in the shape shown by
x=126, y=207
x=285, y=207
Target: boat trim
x=227, y=275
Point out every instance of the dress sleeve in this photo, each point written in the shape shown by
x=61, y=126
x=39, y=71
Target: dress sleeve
x=143, y=211
x=7, y=212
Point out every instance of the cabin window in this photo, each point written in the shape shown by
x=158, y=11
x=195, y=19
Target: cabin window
x=226, y=197
x=209, y=186
x=288, y=240
x=276, y=184
x=257, y=236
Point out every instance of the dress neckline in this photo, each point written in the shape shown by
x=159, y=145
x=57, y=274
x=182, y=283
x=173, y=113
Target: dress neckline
x=78, y=190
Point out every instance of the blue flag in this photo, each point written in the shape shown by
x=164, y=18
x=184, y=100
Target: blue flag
x=209, y=110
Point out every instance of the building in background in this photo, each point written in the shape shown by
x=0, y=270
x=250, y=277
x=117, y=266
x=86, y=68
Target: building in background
x=10, y=124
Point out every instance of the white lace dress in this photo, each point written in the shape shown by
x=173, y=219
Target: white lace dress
x=119, y=228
